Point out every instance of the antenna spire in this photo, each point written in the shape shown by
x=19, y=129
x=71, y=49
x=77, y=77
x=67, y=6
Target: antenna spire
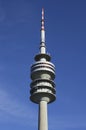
x=42, y=26
x=42, y=44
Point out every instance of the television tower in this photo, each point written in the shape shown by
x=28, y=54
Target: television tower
x=42, y=86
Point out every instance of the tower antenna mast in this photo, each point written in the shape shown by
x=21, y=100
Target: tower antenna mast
x=42, y=44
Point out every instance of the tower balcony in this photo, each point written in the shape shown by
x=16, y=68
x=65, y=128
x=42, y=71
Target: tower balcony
x=43, y=69
x=42, y=89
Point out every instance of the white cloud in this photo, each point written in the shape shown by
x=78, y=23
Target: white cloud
x=15, y=110
x=67, y=122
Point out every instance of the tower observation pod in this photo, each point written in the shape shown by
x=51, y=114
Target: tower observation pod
x=42, y=87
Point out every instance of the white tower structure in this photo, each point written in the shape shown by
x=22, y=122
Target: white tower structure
x=42, y=86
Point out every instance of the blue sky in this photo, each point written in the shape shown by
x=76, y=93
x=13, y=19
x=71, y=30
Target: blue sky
x=65, y=23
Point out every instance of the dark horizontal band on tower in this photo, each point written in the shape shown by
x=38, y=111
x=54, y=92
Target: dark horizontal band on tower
x=39, y=56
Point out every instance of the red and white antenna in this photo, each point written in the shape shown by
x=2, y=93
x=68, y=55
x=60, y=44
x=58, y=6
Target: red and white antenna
x=42, y=22
x=42, y=46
